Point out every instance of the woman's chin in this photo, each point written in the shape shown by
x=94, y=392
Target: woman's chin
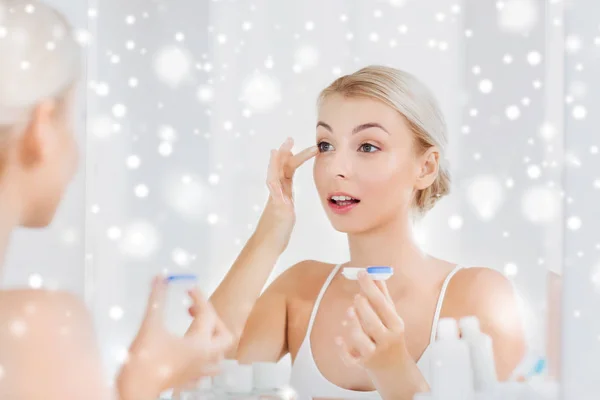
x=348, y=227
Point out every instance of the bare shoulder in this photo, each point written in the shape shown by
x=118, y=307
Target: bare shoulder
x=41, y=303
x=492, y=298
x=47, y=337
x=471, y=286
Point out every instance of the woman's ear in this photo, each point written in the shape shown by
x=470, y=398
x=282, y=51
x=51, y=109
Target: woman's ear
x=429, y=168
x=34, y=140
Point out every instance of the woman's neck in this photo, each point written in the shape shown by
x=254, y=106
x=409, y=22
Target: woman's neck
x=392, y=244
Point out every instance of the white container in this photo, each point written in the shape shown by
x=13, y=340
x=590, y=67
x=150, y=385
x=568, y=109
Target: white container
x=234, y=382
x=482, y=355
x=267, y=376
x=220, y=382
x=202, y=391
x=178, y=302
x=269, y=382
x=451, y=373
x=375, y=273
x=512, y=391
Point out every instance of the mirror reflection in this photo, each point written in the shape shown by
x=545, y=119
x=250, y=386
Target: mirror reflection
x=282, y=200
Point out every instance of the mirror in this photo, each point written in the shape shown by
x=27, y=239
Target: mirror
x=185, y=99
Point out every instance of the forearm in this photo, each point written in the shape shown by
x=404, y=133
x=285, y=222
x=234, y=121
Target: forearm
x=400, y=383
x=235, y=297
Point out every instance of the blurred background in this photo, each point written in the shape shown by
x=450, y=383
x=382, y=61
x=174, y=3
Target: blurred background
x=183, y=100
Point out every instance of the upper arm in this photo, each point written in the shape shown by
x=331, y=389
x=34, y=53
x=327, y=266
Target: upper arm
x=265, y=334
x=490, y=296
x=47, y=349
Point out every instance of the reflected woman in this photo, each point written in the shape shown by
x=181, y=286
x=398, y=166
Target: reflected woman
x=379, y=165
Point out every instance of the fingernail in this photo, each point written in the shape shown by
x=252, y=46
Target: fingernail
x=351, y=312
x=362, y=274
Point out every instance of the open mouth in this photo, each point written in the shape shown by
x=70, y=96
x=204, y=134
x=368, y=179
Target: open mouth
x=342, y=201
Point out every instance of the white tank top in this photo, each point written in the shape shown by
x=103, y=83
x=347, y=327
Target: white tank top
x=307, y=380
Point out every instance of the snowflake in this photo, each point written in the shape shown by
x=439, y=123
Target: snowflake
x=116, y=313
x=141, y=191
x=534, y=58
x=573, y=43
x=188, y=199
x=518, y=16
x=261, y=92
x=534, y=171
x=133, y=162
x=306, y=57
x=486, y=86
x=485, y=194
x=574, y=223
x=213, y=219
x=165, y=149
x=213, y=179
x=513, y=112
x=173, y=65
x=181, y=257
x=35, y=281
x=114, y=233
x=579, y=112
x=455, y=222
x=119, y=110
x=140, y=240
x=541, y=205
x=511, y=269
x=18, y=328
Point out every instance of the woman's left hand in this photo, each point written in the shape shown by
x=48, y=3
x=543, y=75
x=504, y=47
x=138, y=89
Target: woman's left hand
x=374, y=331
x=375, y=341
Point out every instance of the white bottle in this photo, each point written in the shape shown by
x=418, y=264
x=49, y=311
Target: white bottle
x=269, y=383
x=201, y=391
x=482, y=354
x=451, y=373
x=238, y=382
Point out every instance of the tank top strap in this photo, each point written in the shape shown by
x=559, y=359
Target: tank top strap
x=320, y=297
x=440, y=302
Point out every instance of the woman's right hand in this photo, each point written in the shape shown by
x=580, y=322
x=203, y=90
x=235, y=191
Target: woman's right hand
x=159, y=360
x=278, y=218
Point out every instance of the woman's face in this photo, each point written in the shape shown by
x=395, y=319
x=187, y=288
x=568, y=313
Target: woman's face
x=367, y=153
x=47, y=161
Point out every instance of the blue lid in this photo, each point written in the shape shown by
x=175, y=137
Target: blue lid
x=181, y=277
x=379, y=270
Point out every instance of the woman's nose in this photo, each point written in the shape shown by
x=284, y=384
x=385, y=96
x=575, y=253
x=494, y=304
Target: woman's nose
x=341, y=165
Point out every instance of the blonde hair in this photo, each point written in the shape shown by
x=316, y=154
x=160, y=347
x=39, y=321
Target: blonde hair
x=410, y=97
x=40, y=59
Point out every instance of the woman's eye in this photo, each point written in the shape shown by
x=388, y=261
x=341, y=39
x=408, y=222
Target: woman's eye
x=369, y=148
x=324, y=146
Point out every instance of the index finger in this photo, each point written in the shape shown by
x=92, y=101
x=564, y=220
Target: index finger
x=384, y=289
x=379, y=301
x=298, y=159
x=156, y=301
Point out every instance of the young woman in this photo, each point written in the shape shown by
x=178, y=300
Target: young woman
x=379, y=165
x=47, y=346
